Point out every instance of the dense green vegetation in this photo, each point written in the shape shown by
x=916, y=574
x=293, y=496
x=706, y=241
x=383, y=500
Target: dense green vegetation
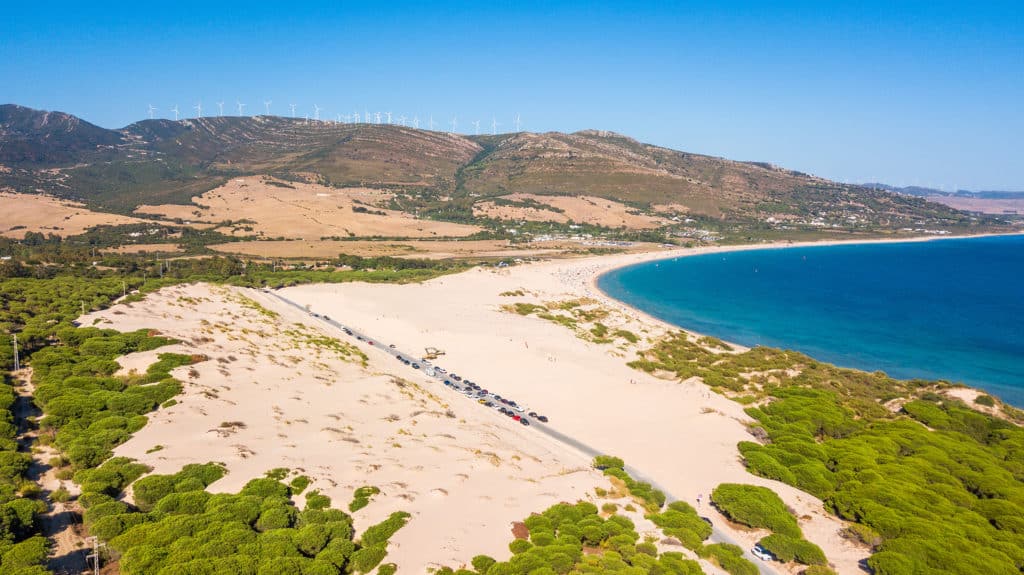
x=177, y=526
x=576, y=539
x=932, y=485
x=651, y=498
x=760, y=508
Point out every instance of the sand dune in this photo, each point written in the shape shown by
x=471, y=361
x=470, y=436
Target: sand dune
x=275, y=393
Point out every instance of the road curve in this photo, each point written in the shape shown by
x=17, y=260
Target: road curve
x=717, y=535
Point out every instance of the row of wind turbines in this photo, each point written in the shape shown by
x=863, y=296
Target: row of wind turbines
x=355, y=118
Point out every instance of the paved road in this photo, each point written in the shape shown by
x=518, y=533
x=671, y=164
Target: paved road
x=717, y=535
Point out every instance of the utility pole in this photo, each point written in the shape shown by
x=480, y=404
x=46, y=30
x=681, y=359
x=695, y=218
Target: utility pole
x=17, y=362
x=95, y=556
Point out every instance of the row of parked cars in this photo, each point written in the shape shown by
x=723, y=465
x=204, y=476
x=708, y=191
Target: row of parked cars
x=487, y=398
x=468, y=388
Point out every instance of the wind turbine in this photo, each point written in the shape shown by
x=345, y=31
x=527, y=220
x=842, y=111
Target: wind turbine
x=355, y=116
x=401, y=120
x=199, y=108
x=389, y=117
x=316, y=112
x=175, y=110
x=494, y=126
x=377, y=115
x=221, y=106
x=337, y=119
x=517, y=123
x=152, y=109
x=431, y=121
x=266, y=105
x=241, y=108
x=476, y=127
x=416, y=122
x=455, y=123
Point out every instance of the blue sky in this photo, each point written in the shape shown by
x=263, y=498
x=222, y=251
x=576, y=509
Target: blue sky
x=908, y=93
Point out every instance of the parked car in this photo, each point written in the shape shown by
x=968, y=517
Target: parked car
x=762, y=553
x=415, y=366
x=542, y=418
x=524, y=421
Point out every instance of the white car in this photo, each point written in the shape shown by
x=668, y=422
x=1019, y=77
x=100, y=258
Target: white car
x=762, y=553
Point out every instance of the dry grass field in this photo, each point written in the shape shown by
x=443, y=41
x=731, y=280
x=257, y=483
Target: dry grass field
x=261, y=206
x=579, y=209
x=23, y=213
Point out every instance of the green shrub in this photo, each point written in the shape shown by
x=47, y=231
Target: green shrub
x=380, y=533
x=365, y=559
x=361, y=497
x=603, y=462
x=482, y=563
x=730, y=558
x=519, y=546
x=788, y=548
x=299, y=484
x=755, y=506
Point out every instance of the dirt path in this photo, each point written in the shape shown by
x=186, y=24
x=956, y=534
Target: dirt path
x=62, y=523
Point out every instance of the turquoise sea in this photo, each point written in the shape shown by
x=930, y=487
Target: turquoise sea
x=949, y=309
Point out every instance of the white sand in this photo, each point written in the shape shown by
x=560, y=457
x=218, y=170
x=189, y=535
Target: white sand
x=464, y=478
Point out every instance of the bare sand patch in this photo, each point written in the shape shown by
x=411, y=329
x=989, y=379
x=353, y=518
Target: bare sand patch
x=25, y=213
x=580, y=209
x=464, y=473
x=261, y=206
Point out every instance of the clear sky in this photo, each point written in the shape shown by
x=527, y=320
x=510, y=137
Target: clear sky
x=907, y=93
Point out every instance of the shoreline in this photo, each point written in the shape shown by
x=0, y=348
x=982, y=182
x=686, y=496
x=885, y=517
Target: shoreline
x=592, y=284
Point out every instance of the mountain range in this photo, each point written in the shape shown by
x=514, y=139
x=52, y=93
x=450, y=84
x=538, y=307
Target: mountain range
x=440, y=174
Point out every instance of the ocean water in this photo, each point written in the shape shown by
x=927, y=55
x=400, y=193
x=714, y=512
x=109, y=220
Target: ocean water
x=949, y=309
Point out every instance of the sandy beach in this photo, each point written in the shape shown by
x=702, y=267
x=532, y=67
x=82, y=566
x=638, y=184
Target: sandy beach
x=282, y=389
